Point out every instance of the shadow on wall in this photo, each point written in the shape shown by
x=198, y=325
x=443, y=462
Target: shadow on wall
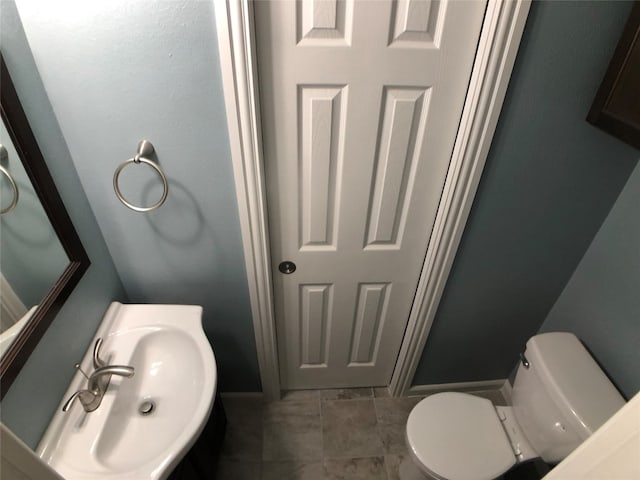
x=550, y=180
x=237, y=374
x=191, y=221
x=600, y=303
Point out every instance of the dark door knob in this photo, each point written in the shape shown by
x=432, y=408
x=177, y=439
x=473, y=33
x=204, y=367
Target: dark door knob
x=287, y=267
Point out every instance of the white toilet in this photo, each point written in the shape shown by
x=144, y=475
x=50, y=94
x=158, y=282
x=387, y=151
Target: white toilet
x=560, y=397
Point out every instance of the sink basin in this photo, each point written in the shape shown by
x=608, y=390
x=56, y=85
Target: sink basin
x=146, y=423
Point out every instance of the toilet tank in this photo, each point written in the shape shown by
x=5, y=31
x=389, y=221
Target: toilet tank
x=563, y=396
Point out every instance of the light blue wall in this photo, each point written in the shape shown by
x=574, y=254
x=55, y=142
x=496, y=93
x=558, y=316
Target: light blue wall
x=129, y=72
x=550, y=181
x=35, y=394
x=601, y=304
x=117, y=72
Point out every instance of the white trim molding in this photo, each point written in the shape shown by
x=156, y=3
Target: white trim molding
x=507, y=392
x=499, y=41
x=501, y=33
x=481, y=386
x=234, y=25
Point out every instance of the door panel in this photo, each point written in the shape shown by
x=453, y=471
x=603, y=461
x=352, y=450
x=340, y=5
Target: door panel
x=401, y=130
x=322, y=114
x=360, y=106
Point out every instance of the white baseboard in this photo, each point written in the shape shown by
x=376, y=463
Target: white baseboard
x=458, y=387
x=501, y=384
x=507, y=392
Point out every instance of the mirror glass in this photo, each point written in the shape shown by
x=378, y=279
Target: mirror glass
x=31, y=255
x=41, y=258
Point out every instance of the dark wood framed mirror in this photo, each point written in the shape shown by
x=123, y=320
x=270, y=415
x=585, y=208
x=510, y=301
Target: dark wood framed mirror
x=616, y=107
x=32, y=159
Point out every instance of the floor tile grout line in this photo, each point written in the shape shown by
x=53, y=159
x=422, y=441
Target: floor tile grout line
x=385, y=409
x=384, y=455
x=262, y=442
x=350, y=457
x=319, y=400
x=346, y=399
x=359, y=397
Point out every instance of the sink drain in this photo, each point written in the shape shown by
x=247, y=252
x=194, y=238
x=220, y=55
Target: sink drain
x=146, y=408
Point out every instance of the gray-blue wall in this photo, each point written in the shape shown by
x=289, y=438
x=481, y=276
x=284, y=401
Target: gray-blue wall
x=600, y=304
x=32, y=399
x=549, y=182
x=117, y=72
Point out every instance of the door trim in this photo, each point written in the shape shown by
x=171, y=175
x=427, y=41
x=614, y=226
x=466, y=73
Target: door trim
x=502, y=29
x=500, y=37
x=234, y=25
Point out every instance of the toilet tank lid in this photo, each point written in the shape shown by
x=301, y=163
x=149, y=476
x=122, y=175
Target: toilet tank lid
x=574, y=378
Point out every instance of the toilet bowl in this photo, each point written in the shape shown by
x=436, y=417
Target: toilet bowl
x=560, y=397
x=456, y=435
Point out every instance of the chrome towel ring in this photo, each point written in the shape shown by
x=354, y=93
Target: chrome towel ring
x=145, y=148
x=14, y=187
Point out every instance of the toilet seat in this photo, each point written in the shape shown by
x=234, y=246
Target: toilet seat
x=457, y=436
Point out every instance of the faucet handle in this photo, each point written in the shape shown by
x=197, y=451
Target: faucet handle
x=97, y=361
x=79, y=368
x=86, y=397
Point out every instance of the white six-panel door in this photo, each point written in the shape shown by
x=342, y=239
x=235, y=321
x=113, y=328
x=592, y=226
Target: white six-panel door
x=361, y=102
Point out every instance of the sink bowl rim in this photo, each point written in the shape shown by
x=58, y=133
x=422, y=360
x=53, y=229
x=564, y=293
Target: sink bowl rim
x=112, y=327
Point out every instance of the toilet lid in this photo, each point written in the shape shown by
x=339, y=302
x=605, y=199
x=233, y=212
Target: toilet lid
x=458, y=437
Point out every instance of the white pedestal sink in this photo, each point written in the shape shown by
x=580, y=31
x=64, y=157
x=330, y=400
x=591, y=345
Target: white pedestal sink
x=175, y=378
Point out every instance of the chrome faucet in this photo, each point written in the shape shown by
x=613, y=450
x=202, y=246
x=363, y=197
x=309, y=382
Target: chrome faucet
x=97, y=382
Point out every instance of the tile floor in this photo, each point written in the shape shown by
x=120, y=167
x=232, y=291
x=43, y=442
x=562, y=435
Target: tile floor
x=318, y=435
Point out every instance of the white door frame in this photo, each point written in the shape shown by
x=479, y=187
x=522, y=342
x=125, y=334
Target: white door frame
x=502, y=29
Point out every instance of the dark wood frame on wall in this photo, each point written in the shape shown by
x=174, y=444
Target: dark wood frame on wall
x=27, y=147
x=616, y=108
